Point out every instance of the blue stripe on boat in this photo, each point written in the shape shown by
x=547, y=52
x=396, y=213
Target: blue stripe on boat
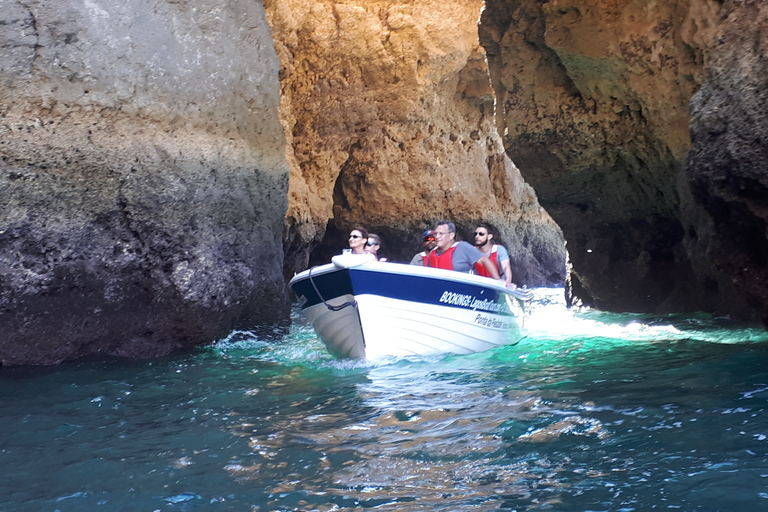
x=411, y=288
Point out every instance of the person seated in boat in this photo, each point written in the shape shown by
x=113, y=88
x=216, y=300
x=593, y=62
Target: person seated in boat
x=373, y=245
x=498, y=254
x=428, y=243
x=358, y=237
x=460, y=256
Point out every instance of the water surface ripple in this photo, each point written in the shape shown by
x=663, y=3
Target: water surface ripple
x=591, y=412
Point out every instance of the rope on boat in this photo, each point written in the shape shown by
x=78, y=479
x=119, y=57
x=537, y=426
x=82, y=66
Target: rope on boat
x=331, y=308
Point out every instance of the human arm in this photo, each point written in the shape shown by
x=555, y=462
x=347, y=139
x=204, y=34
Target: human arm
x=418, y=260
x=490, y=267
x=466, y=256
x=507, y=268
x=502, y=256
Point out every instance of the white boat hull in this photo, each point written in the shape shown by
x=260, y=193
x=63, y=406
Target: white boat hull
x=400, y=328
x=403, y=310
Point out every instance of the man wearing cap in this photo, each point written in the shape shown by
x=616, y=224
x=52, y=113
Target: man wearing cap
x=428, y=243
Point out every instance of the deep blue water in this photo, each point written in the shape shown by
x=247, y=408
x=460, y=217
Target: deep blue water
x=591, y=412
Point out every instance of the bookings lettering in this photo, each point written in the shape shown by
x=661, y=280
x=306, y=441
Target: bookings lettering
x=472, y=302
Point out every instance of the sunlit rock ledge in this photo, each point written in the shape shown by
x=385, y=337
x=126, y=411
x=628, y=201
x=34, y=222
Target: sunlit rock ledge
x=142, y=174
x=389, y=114
x=641, y=126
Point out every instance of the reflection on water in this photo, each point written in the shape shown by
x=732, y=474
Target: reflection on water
x=592, y=411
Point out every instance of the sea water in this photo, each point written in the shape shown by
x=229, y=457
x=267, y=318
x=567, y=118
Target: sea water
x=590, y=412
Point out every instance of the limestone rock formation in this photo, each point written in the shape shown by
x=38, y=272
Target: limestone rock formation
x=727, y=165
x=143, y=177
x=390, y=119
x=594, y=108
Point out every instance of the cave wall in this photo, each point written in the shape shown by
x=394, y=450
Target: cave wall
x=594, y=102
x=727, y=165
x=142, y=174
x=389, y=115
x=144, y=167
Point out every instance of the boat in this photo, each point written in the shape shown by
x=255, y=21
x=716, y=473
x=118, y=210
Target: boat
x=363, y=308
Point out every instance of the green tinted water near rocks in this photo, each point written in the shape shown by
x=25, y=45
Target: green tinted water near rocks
x=592, y=411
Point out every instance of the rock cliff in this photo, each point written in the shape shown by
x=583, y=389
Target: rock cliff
x=150, y=201
x=142, y=174
x=594, y=101
x=727, y=166
x=390, y=119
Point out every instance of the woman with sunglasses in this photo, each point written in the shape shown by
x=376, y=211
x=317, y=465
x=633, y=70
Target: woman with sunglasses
x=358, y=237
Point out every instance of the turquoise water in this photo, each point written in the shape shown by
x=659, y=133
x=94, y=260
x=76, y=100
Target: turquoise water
x=591, y=412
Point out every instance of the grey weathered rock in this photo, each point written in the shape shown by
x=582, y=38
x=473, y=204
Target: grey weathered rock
x=143, y=177
x=727, y=165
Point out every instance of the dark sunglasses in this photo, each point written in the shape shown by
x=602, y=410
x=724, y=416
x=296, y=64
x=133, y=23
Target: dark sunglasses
x=369, y=244
x=480, y=234
x=429, y=239
x=355, y=236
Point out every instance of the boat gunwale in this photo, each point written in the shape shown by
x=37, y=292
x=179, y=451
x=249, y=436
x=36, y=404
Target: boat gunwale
x=412, y=270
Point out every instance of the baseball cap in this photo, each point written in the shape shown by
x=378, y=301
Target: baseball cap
x=429, y=232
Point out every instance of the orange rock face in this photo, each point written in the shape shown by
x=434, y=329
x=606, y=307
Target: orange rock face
x=594, y=109
x=390, y=119
x=598, y=100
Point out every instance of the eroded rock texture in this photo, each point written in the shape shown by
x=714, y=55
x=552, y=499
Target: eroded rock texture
x=594, y=100
x=389, y=114
x=142, y=175
x=728, y=163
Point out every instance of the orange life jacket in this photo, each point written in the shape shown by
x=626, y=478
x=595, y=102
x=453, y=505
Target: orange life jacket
x=444, y=260
x=493, y=256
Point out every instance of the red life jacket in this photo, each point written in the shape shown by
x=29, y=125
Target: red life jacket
x=480, y=268
x=424, y=257
x=444, y=260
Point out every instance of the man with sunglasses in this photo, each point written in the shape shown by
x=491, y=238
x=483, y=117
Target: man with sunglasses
x=373, y=245
x=498, y=254
x=428, y=243
x=460, y=256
